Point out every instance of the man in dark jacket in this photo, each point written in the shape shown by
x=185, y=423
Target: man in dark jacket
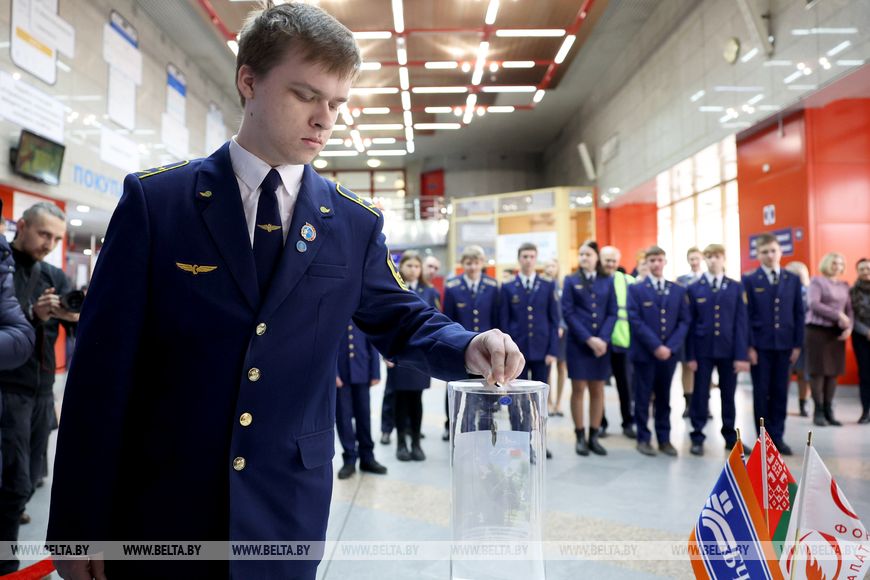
x=28, y=400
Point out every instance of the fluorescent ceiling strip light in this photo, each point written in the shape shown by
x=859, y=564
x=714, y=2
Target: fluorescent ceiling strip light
x=404, y=81
x=234, y=46
x=339, y=127
x=471, y=101
x=749, y=55
x=823, y=30
x=335, y=142
x=482, y=52
x=711, y=109
x=386, y=152
x=500, y=109
x=376, y=110
x=802, y=87
x=441, y=64
x=509, y=89
x=346, y=116
x=406, y=100
x=410, y=146
x=357, y=141
x=855, y=62
x=566, y=47
x=530, y=32
x=436, y=126
x=793, y=77
x=409, y=119
x=370, y=66
x=409, y=133
x=398, y=16
x=383, y=140
x=374, y=90
x=401, y=51
x=737, y=89
x=491, y=12
x=436, y=110
x=468, y=116
x=438, y=90
x=539, y=96
x=343, y=153
x=373, y=35
x=755, y=99
x=380, y=127
x=694, y=98
x=839, y=48
x=518, y=64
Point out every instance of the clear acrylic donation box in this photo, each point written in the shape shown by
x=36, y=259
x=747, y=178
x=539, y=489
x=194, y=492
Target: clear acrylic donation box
x=497, y=459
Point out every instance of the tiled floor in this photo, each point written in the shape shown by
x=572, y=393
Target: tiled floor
x=623, y=496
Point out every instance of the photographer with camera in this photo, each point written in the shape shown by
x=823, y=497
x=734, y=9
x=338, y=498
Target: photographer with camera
x=48, y=300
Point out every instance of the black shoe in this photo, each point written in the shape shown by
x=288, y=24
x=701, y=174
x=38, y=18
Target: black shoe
x=346, y=471
x=41, y=482
x=446, y=435
x=688, y=406
x=783, y=448
x=549, y=455
x=582, y=447
x=819, y=417
x=372, y=467
x=602, y=432
x=647, y=449
x=697, y=449
x=24, y=518
x=729, y=445
x=829, y=415
x=865, y=418
x=422, y=435
x=668, y=449
x=802, y=408
x=402, y=453
x=416, y=451
x=385, y=438
x=629, y=432
x=594, y=446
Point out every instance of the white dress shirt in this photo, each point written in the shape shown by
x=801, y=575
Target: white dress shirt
x=473, y=287
x=529, y=279
x=656, y=281
x=710, y=277
x=769, y=273
x=250, y=172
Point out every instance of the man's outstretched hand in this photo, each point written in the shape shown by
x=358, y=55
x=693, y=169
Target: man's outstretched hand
x=495, y=356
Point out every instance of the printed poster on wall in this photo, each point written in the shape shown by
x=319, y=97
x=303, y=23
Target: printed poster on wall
x=176, y=93
x=27, y=49
x=25, y=105
x=121, y=52
x=508, y=244
x=215, y=129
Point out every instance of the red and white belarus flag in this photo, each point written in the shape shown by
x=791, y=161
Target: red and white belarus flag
x=826, y=539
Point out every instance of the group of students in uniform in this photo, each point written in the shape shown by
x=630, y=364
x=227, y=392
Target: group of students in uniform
x=600, y=323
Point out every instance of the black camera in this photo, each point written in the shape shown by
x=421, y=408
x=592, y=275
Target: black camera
x=72, y=301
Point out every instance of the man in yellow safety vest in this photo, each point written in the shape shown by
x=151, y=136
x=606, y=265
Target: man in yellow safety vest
x=621, y=337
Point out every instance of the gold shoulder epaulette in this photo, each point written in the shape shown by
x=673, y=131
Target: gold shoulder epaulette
x=347, y=194
x=452, y=283
x=490, y=282
x=161, y=169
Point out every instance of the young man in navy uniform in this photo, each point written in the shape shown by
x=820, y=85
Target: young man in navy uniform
x=207, y=346
x=776, y=334
x=658, y=312
x=471, y=299
x=717, y=339
x=529, y=313
x=359, y=369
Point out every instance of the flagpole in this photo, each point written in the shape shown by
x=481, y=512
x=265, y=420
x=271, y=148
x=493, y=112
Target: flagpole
x=764, y=486
x=800, y=507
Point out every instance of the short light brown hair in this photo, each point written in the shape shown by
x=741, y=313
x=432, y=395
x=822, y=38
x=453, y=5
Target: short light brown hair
x=828, y=261
x=765, y=239
x=654, y=251
x=693, y=250
x=714, y=249
x=473, y=253
x=527, y=247
x=268, y=34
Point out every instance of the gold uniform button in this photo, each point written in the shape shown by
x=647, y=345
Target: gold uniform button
x=531, y=317
x=261, y=329
x=350, y=337
x=594, y=305
x=476, y=328
x=664, y=320
x=776, y=308
x=776, y=325
x=716, y=325
x=717, y=307
x=594, y=325
x=239, y=463
x=350, y=327
x=352, y=355
x=530, y=308
x=716, y=333
x=254, y=375
x=476, y=320
x=245, y=419
x=776, y=300
x=664, y=329
x=531, y=334
x=475, y=312
x=664, y=311
x=594, y=315
x=350, y=346
x=593, y=295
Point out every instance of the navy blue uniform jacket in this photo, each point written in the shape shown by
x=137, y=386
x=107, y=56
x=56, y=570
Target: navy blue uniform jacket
x=16, y=333
x=175, y=344
x=776, y=313
x=531, y=318
x=656, y=320
x=589, y=311
x=477, y=314
x=361, y=364
x=719, y=328
x=403, y=377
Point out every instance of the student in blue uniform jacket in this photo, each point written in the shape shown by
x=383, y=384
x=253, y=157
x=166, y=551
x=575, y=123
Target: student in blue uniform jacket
x=471, y=299
x=359, y=369
x=406, y=385
x=658, y=311
x=776, y=335
x=717, y=339
x=200, y=404
x=589, y=308
x=530, y=315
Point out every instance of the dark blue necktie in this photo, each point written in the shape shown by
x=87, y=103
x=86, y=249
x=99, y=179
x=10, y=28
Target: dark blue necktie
x=268, y=237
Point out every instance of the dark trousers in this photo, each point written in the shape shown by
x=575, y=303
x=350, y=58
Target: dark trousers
x=654, y=377
x=388, y=411
x=409, y=411
x=354, y=424
x=700, y=405
x=25, y=425
x=862, y=354
x=770, y=379
x=619, y=364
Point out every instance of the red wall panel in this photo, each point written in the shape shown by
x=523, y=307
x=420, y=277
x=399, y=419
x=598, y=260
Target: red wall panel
x=630, y=227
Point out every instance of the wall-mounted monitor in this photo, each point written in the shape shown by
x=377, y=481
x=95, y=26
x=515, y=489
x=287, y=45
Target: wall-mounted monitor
x=38, y=158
